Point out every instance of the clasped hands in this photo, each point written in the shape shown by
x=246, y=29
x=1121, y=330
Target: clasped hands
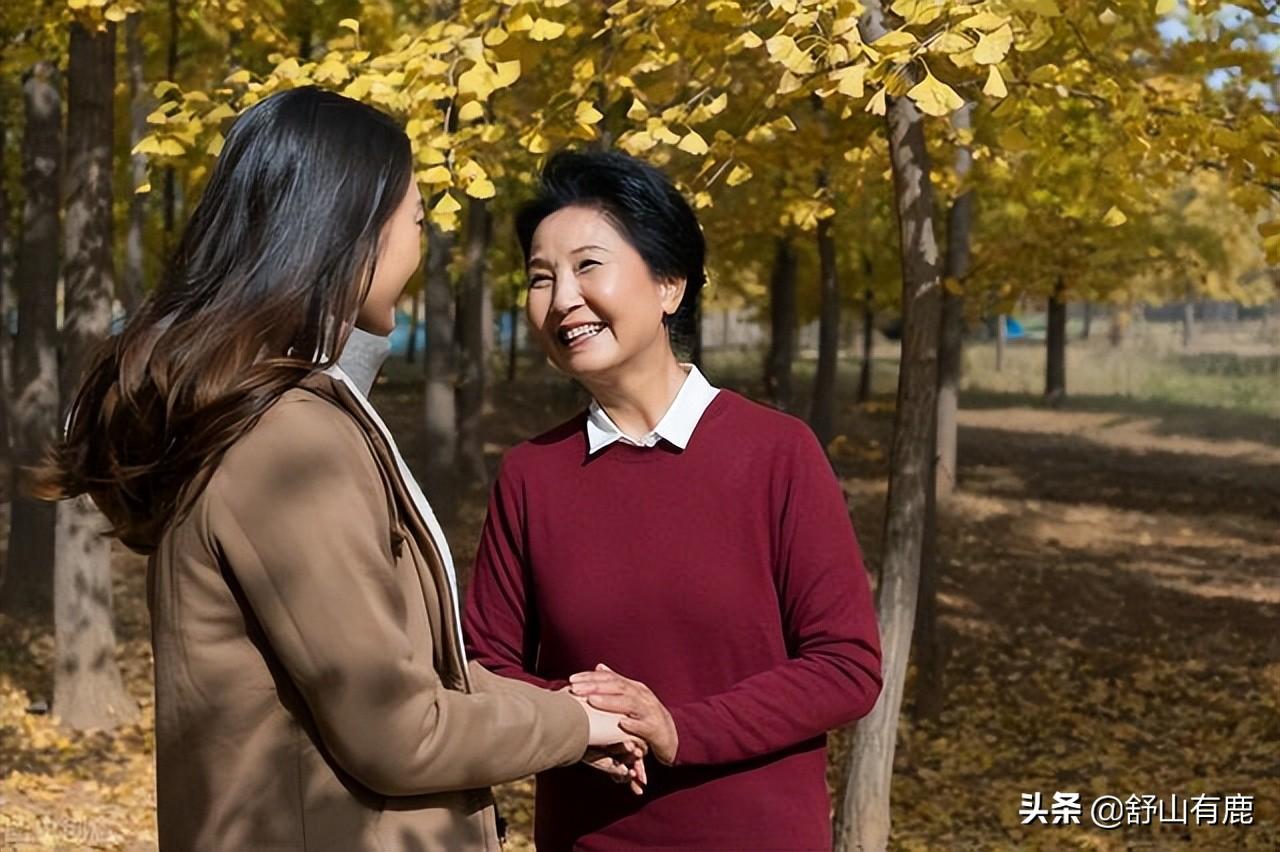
x=627, y=722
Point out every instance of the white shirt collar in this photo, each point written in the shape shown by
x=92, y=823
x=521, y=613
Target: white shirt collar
x=675, y=427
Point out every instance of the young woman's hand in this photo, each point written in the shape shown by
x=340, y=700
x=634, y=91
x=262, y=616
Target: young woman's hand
x=623, y=763
x=644, y=715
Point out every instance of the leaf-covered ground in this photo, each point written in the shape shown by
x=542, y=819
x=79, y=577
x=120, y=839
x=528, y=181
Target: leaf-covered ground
x=1110, y=604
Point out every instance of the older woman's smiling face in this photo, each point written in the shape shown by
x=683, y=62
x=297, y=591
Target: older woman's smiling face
x=594, y=304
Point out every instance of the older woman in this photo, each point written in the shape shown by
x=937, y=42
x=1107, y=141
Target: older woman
x=676, y=552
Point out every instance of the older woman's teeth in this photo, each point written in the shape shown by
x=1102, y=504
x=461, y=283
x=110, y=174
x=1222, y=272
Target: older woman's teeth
x=582, y=331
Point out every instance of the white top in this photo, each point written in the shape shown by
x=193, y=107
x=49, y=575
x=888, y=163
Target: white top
x=415, y=491
x=676, y=426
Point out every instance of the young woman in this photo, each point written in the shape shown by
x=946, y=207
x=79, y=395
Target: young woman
x=676, y=552
x=311, y=687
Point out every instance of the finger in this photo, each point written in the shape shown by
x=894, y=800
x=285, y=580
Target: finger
x=595, y=678
x=639, y=726
x=642, y=774
x=620, y=704
x=601, y=667
x=605, y=688
x=637, y=789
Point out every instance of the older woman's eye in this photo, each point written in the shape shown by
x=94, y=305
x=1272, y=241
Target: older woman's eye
x=587, y=264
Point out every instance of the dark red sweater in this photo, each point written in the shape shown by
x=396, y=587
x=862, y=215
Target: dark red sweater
x=726, y=577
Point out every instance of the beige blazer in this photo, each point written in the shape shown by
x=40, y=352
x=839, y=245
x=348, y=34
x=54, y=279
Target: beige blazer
x=310, y=691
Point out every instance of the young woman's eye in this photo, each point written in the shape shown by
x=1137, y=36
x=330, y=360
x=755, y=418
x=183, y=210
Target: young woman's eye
x=539, y=281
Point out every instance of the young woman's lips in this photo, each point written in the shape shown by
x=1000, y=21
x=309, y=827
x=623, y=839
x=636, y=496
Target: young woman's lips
x=578, y=336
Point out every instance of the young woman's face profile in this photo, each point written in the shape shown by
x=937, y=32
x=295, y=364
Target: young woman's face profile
x=399, y=254
x=593, y=303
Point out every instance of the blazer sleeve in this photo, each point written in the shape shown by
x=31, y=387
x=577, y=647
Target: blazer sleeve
x=299, y=514
x=500, y=620
x=832, y=676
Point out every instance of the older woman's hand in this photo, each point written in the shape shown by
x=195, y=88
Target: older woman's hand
x=645, y=716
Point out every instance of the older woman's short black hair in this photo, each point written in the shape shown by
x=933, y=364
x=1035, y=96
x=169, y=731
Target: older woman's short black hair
x=640, y=201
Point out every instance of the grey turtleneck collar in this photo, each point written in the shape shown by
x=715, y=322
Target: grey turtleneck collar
x=363, y=357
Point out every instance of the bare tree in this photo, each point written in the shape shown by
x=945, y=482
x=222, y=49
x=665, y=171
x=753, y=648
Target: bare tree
x=28, y=579
x=782, y=324
x=88, y=691
x=475, y=318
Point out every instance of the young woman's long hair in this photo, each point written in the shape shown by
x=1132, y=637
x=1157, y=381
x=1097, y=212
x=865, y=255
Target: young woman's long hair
x=262, y=290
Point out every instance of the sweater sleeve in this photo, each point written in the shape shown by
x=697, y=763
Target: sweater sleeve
x=832, y=675
x=500, y=621
x=299, y=513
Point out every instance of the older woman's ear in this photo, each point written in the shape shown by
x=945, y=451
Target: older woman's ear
x=672, y=294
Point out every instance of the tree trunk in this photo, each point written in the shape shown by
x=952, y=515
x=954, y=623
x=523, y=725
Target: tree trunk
x=88, y=690
x=473, y=311
x=6, y=254
x=28, y=582
x=1055, y=375
x=782, y=325
x=441, y=373
x=863, y=819
x=951, y=331
x=1188, y=318
x=415, y=315
x=1088, y=320
x=170, y=200
x=1002, y=337
x=139, y=107
x=868, y=341
x=822, y=412
x=930, y=686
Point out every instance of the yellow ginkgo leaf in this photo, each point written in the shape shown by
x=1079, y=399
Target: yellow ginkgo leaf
x=877, y=104
x=935, y=97
x=692, y=143
x=995, y=86
x=750, y=39
x=495, y=37
x=143, y=189
x=436, y=174
x=238, y=78
x=784, y=50
x=985, y=21
x=637, y=111
x=895, y=40
x=171, y=148
x=506, y=73
x=470, y=111
x=586, y=113
x=741, y=173
x=447, y=204
x=852, y=80
x=332, y=71
x=1164, y=7
x=546, y=30
x=584, y=70
x=919, y=12
x=637, y=143
x=215, y=145
x=1115, y=218
x=994, y=46
x=482, y=188
x=115, y=14
x=351, y=24
x=534, y=142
